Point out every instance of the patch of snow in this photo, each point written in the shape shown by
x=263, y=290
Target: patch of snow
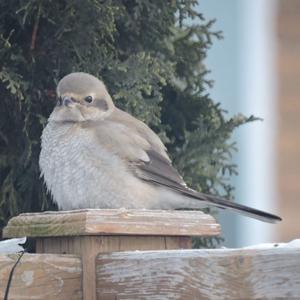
x=12, y=245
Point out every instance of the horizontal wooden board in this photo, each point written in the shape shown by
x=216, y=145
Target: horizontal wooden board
x=112, y=222
x=200, y=274
x=42, y=276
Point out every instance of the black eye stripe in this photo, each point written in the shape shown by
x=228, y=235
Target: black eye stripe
x=102, y=104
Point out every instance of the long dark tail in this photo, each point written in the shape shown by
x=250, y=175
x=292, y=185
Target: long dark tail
x=239, y=208
x=211, y=200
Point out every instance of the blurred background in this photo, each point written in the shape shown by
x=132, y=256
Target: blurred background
x=256, y=68
x=150, y=55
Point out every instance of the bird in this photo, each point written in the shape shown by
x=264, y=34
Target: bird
x=94, y=155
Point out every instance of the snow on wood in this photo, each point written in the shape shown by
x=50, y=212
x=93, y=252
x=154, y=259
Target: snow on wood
x=12, y=245
x=255, y=273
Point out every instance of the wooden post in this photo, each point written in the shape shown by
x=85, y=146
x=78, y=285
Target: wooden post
x=89, y=232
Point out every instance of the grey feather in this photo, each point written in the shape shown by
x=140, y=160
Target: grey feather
x=158, y=169
x=94, y=155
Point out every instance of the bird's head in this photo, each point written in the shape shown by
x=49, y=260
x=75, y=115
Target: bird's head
x=81, y=97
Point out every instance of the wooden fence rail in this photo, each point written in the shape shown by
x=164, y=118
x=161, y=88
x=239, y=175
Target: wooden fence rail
x=200, y=274
x=89, y=254
x=42, y=276
x=159, y=275
x=91, y=231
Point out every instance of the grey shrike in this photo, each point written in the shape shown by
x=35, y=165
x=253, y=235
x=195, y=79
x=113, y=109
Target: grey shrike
x=94, y=155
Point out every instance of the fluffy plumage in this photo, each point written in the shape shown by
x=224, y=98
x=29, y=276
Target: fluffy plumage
x=97, y=156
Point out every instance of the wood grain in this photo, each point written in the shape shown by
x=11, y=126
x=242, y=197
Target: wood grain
x=112, y=222
x=200, y=274
x=287, y=116
x=89, y=232
x=42, y=276
x=89, y=246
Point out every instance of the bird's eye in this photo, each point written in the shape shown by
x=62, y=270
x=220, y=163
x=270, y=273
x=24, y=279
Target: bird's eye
x=88, y=99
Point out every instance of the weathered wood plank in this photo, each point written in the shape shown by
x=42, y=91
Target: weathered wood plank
x=89, y=246
x=112, y=222
x=42, y=276
x=200, y=274
x=88, y=232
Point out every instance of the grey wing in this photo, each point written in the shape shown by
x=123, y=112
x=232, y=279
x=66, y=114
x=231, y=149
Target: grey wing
x=159, y=170
x=145, y=155
x=141, y=148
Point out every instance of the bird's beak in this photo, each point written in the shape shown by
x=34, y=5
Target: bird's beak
x=67, y=101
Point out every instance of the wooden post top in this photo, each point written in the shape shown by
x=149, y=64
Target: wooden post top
x=112, y=222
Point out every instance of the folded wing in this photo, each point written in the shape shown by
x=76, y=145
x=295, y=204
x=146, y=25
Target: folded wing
x=147, y=158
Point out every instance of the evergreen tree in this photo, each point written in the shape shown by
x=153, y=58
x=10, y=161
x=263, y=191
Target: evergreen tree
x=149, y=54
